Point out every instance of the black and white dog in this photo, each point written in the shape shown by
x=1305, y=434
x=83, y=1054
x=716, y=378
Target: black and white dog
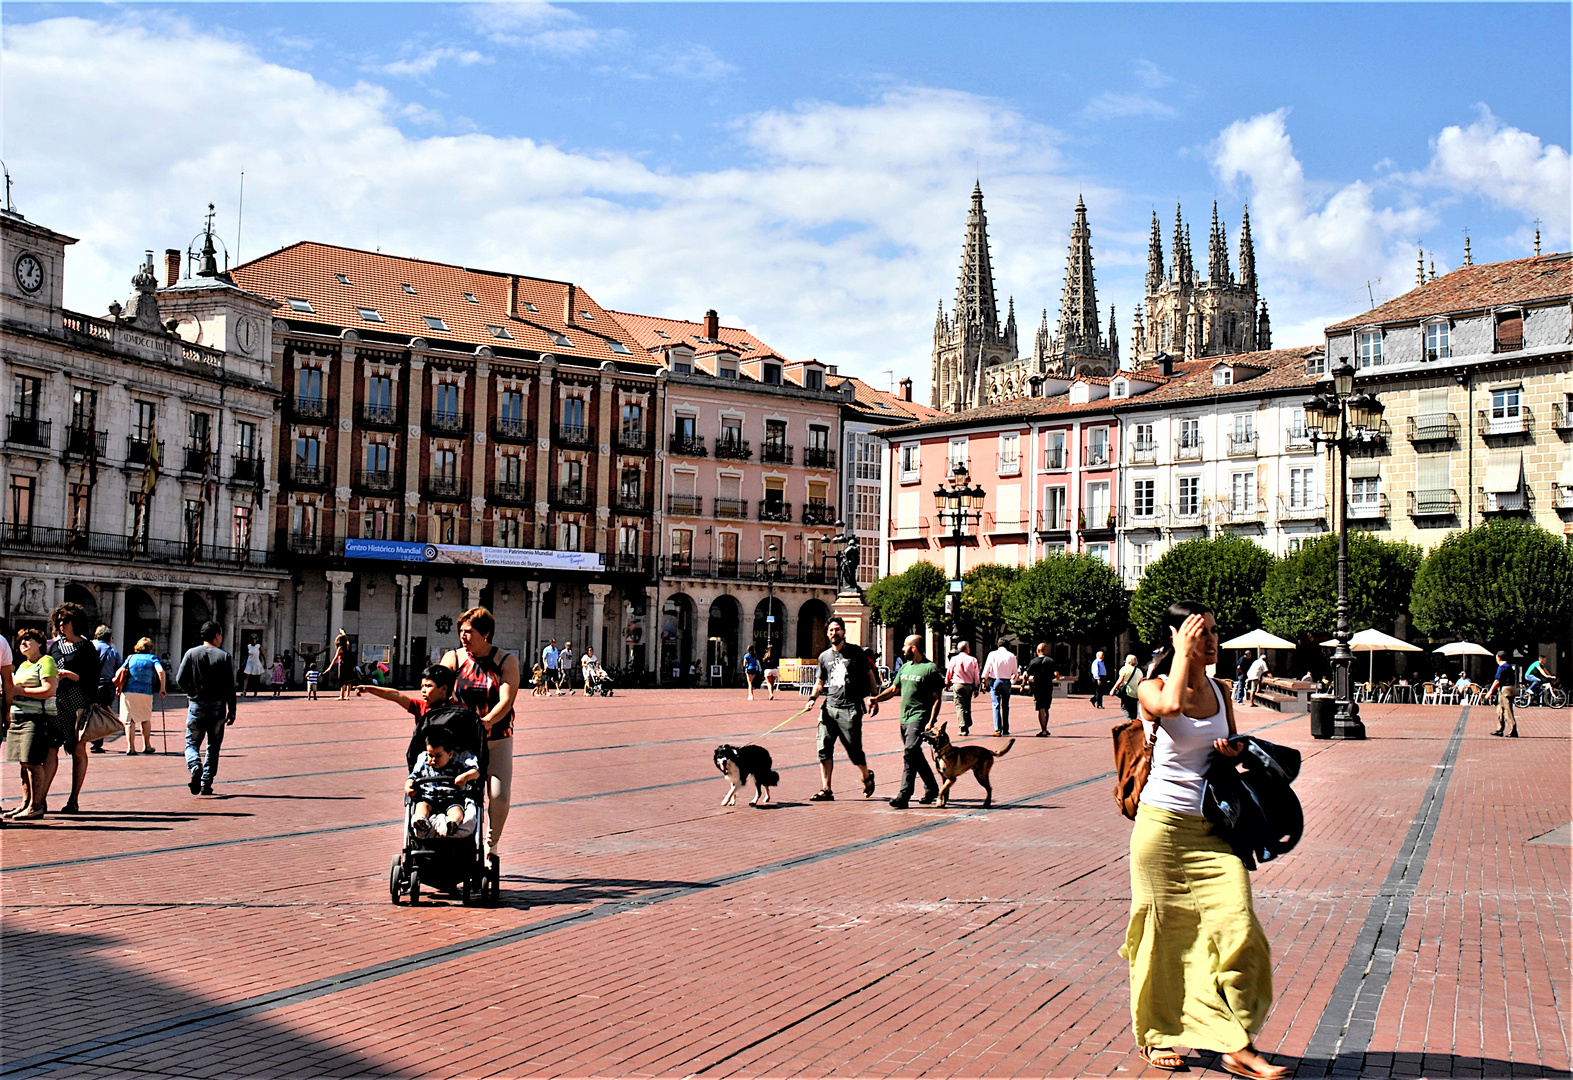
x=739, y=763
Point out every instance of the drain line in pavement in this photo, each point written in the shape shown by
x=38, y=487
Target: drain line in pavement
x=1343, y=1034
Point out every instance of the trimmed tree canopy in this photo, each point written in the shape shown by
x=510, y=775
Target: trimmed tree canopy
x=910, y=600
x=1503, y=584
x=1225, y=573
x=1299, y=599
x=1065, y=597
x=983, y=601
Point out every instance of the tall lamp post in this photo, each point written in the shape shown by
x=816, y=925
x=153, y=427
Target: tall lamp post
x=770, y=570
x=958, y=503
x=1342, y=420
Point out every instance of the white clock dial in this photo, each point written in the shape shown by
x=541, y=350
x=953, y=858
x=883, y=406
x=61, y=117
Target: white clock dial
x=246, y=335
x=29, y=273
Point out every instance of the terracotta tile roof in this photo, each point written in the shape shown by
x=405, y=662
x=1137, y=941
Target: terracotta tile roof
x=655, y=333
x=1471, y=288
x=1282, y=369
x=1023, y=410
x=880, y=405
x=307, y=271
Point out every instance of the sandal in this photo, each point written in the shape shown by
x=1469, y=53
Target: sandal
x=822, y=795
x=868, y=784
x=1160, y=1057
x=1236, y=1068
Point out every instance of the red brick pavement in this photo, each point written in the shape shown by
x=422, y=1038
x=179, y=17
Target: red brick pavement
x=648, y=931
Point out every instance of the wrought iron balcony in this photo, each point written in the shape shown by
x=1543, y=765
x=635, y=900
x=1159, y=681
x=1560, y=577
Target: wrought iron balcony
x=1242, y=513
x=380, y=480
x=1506, y=502
x=1305, y=510
x=444, y=487
x=310, y=408
x=247, y=469
x=774, y=511
x=120, y=547
x=687, y=445
x=731, y=508
x=28, y=431
x=82, y=441
x=633, y=440
x=684, y=505
x=196, y=459
x=1369, y=509
x=1562, y=497
x=1488, y=426
x=1143, y=453
x=1433, y=502
x=1298, y=440
x=1141, y=516
x=819, y=457
x=573, y=496
x=1097, y=456
x=631, y=501
x=1242, y=445
x=1189, y=516
x=775, y=453
x=1433, y=427
x=512, y=493
x=1561, y=419
x=307, y=476
x=511, y=429
x=137, y=450
x=733, y=450
x=381, y=417
x=1188, y=449
x=573, y=434
x=1053, y=521
x=1054, y=458
x=818, y=512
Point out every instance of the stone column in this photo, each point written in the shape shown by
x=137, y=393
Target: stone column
x=598, y=594
x=479, y=447
x=545, y=389
x=345, y=436
x=177, y=624
x=605, y=465
x=338, y=581
x=401, y=589
x=532, y=625
x=232, y=642
x=414, y=447
x=472, y=590
x=117, y=620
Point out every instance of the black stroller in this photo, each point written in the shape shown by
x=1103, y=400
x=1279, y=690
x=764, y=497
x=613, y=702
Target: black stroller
x=597, y=681
x=456, y=865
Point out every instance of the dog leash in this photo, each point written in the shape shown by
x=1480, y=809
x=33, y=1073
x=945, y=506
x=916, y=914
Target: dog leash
x=789, y=719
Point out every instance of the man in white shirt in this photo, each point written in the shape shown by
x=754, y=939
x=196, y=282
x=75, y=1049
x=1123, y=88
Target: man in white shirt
x=963, y=677
x=998, y=670
x=1254, y=677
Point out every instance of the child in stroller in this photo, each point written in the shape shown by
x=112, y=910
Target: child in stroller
x=596, y=680
x=440, y=788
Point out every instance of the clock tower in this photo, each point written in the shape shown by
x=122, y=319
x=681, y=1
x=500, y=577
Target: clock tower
x=32, y=272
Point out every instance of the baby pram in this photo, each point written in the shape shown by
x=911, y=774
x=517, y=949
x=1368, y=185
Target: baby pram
x=597, y=681
x=456, y=865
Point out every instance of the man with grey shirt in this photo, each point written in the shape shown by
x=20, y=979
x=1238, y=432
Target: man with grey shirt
x=847, y=681
x=207, y=677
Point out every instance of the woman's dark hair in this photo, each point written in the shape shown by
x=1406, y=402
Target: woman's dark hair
x=73, y=614
x=440, y=676
x=480, y=620
x=210, y=630
x=1178, y=612
x=28, y=634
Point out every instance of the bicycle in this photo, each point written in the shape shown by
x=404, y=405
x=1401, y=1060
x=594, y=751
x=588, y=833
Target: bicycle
x=1547, y=692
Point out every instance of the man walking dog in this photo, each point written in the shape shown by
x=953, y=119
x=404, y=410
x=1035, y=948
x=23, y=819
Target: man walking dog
x=846, y=680
x=922, y=688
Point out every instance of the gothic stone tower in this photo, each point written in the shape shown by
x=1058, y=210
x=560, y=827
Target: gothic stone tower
x=1079, y=347
x=1190, y=317
x=972, y=340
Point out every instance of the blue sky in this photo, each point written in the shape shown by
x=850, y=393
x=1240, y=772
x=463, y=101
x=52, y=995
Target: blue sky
x=804, y=168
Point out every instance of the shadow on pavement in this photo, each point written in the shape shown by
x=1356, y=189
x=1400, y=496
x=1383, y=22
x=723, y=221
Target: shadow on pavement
x=98, y=1033
x=573, y=891
x=1403, y=1065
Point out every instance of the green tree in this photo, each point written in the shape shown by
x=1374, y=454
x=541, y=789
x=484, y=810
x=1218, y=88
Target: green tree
x=1299, y=599
x=1225, y=573
x=983, y=591
x=1503, y=584
x=1066, y=597
x=910, y=600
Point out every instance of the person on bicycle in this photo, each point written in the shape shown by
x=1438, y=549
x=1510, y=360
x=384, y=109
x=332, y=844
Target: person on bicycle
x=1534, y=676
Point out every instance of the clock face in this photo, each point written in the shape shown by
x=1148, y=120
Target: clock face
x=246, y=335
x=29, y=273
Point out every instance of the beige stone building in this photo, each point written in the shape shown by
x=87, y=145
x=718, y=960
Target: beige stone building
x=1475, y=371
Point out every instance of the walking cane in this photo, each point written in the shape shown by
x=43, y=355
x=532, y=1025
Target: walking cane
x=163, y=725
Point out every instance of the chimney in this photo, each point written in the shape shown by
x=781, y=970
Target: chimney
x=569, y=299
x=1165, y=364
x=171, y=265
x=712, y=325
x=513, y=296
x=906, y=389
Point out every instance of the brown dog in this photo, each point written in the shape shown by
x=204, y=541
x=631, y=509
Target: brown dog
x=951, y=761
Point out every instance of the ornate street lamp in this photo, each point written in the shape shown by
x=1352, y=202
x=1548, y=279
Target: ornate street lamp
x=1342, y=420
x=770, y=570
x=958, y=503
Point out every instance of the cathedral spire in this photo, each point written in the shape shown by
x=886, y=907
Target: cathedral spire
x=1178, y=247
x=1078, y=331
x=1215, y=259
x=975, y=304
x=1114, y=341
x=1247, y=253
x=1190, y=267
x=1154, y=258
x=1264, y=332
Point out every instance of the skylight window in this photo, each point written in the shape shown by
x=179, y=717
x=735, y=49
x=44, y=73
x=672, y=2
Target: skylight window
x=619, y=348
x=471, y=298
x=664, y=334
x=296, y=304
x=882, y=405
x=531, y=307
x=342, y=279
x=586, y=316
x=407, y=288
x=499, y=332
x=434, y=323
x=560, y=341
x=370, y=314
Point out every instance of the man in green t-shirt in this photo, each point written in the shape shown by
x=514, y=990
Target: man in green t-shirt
x=921, y=685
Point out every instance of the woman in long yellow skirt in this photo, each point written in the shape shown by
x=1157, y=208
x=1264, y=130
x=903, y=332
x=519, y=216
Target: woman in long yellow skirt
x=1201, y=969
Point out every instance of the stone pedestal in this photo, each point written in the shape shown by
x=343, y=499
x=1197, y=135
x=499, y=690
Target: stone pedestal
x=850, y=607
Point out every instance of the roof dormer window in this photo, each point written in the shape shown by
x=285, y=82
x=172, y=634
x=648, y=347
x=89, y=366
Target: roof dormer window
x=1119, y=388
x=726, y=372
x=434, y=323
x=586, y=316
x=471, y=298
x=664, y=334
x=407, y=287
x=531, y=307
x=303, y=306
x=1223, y=376
x=342, y=280
x=772, y=374
x=499, y=332
x=370, y=314
x=814, y=379
x=560, y=341
x=619, y=348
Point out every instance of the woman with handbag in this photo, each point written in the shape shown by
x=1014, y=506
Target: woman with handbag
x=79, y=665
x=32, y=740
x=1200, y=965
x=136, y=680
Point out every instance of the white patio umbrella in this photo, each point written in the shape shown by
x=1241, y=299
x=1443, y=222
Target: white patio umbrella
x=1463, y=648
x=1373, y=642
x=1256, y=639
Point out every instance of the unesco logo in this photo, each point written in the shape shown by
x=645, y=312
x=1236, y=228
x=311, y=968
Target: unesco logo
x=429, y=553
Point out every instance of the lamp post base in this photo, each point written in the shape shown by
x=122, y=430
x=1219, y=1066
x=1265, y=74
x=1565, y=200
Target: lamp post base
x=1348, y=725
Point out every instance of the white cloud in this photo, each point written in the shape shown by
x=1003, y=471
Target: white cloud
x=831, y=233
x=695, y=62
x=1111, y=105
x=1510, y=167
x=425, y=62
x=540, y=26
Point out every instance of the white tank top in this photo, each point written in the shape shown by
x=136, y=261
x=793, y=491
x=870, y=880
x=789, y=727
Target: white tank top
x=1180, y=757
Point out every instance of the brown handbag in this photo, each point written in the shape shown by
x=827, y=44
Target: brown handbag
x=1132, y=763
x=97, y=722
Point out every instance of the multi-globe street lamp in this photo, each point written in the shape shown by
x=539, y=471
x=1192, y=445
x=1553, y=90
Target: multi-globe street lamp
x=958, y=503
x=1342, y=419
x=770, y=570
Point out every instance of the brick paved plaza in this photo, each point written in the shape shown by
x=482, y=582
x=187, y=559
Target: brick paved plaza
x=1420, y=929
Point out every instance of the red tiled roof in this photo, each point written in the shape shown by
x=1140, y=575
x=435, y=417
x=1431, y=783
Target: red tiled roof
x=1471, y=288
x=1282, y=369
x=647, y=331
x=305, y=271
x=880, y=404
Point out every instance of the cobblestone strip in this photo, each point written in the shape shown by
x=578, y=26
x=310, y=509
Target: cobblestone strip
x=1343, y=1034
x=86, y=1052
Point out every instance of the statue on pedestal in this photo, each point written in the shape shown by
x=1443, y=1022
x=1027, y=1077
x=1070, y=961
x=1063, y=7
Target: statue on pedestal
x=847, y=561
